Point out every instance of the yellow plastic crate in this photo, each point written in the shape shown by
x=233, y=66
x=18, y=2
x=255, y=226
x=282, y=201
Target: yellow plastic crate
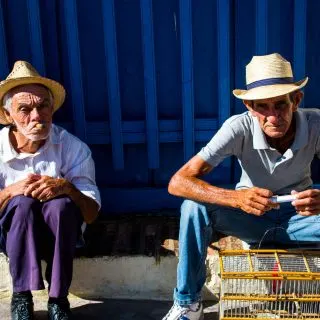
x=266, y=284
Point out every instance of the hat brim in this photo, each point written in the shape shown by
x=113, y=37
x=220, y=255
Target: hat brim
x=270, y=91
x=56, y=89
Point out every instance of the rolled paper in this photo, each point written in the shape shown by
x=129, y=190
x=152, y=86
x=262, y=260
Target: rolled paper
x=281, y=199
x=40, y=125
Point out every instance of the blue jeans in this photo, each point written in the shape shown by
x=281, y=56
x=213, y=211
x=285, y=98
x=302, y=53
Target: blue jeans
x=199, y=220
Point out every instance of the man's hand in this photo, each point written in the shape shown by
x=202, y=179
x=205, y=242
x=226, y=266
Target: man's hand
x=16, y=189
x=307, y=202
x=255, y=201
x=46, y=188
x=21, y=186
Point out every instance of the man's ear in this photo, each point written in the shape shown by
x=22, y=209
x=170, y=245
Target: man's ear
x=249, y=106
x=297, y=99
x=8, y=117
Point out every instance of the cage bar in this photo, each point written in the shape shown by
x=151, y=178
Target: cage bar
x=270, y=284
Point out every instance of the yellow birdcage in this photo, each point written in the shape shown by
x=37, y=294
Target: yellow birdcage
x=264, y=284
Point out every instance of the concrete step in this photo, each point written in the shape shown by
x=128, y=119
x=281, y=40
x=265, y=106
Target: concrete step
x=106, y=287
x=131, y=258
x=126, y=277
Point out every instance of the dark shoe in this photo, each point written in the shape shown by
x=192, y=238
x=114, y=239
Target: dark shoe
x=21, y=306
x=59, y=309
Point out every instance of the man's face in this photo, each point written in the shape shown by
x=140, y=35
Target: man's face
x=31, y=111
x=275, y=114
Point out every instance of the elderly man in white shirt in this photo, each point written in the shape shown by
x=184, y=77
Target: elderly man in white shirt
x=47, y=181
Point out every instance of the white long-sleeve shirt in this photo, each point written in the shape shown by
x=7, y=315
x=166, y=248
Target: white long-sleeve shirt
x=62, y=156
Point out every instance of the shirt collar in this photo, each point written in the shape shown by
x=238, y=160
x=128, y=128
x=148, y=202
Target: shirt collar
x=259, y=139
x=300, y=140
x=7, y=151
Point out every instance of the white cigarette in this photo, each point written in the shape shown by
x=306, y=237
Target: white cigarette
x=281, y=199
x=40, y=125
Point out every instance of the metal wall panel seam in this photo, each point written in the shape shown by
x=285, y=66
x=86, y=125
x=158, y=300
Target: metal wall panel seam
x=36, y=43
x=97, y=127
x=224, y=71
x=134, y=131
x=224, y=52
x=50, y=38
x=261, y=27
x=150, y=84
x=76, y=82
x=187, y=78
x=300, y=41
x=4, y=68
x=110, y=42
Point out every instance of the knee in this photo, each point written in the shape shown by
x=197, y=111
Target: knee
x=62, y=209
x=192, y=210
x=24, y=207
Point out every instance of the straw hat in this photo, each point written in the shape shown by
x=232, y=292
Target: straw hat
x=267, y=77
x=24, y=73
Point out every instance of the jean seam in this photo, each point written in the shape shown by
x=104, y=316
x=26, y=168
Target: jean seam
x=203, y=242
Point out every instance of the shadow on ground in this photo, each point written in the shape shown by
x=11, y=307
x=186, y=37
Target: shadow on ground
x=125, y=310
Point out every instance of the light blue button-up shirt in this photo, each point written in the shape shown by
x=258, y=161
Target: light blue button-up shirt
x=261, y=165
x=62, y=156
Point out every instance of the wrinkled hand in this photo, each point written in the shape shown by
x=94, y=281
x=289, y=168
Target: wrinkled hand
x=16, y=189
x=21, y=186
x=46, y=188
x=255, y=201
x=307, y=202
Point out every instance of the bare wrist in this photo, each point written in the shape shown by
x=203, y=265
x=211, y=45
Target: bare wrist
x=235, y=196
x=67, y=186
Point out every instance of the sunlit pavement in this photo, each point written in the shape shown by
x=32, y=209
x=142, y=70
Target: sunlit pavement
x=105, y=309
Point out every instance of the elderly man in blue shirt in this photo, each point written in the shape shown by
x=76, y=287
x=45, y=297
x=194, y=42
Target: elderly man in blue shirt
x=47, y=181
x=275, y=143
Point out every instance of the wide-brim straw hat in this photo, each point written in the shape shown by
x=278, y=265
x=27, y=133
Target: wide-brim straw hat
x=24, y=73
x=267, y=77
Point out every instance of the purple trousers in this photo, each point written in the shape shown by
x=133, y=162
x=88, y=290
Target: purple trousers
x=31, y=231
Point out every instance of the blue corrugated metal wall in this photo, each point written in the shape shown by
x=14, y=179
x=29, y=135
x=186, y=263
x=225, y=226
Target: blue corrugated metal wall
x=149, y=82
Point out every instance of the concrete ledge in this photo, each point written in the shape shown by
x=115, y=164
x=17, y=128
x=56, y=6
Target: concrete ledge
x=5, y=278
x=127, y=277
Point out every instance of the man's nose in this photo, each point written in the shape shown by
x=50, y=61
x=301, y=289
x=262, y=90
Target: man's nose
x=273, y=115
x=35, y=115
x=273, y=119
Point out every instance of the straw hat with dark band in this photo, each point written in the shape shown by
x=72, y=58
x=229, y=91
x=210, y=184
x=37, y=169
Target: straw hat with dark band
x=267, y=77
x=24, y=73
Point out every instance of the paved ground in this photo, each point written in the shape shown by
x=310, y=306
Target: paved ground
x=105, y=309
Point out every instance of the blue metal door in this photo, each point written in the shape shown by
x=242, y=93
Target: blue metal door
x=149, y=82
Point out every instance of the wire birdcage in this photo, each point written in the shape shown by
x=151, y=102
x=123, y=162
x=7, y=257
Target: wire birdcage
x=264, y=284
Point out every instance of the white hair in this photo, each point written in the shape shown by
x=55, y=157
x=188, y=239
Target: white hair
x=7, y=99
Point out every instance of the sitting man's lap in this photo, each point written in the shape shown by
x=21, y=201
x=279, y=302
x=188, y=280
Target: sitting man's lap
x=282, y=225
x=25, y=216
x=275, y=226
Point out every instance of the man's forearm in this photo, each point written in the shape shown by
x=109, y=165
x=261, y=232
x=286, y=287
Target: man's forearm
x=4, y=199
x=88, y=207
x=198, y=190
